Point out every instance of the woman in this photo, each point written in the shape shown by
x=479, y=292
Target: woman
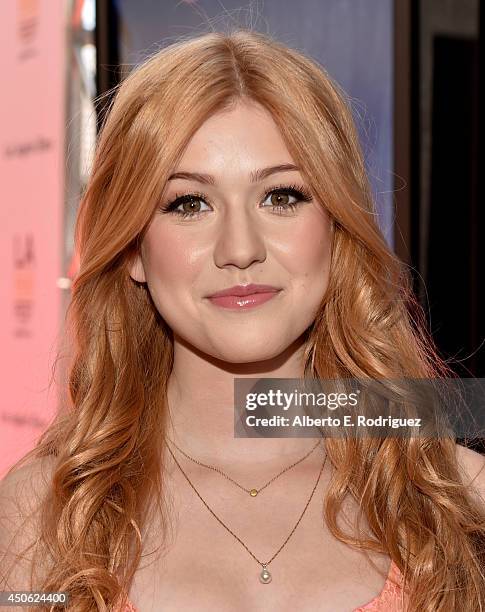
x=229, y=160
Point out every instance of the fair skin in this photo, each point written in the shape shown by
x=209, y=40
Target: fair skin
x=238, y=239
x=203, y=567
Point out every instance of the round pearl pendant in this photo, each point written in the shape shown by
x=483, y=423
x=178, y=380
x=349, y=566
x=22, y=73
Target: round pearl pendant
x=265, y=576
x=253, y=492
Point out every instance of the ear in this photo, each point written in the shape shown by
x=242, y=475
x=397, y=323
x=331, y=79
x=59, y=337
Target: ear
x=137, y=271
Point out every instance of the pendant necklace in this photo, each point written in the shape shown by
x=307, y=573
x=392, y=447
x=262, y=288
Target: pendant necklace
x=265, y=577
x=252, y=491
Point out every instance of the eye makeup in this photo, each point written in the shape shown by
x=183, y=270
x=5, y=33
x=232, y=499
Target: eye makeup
x=298, y=192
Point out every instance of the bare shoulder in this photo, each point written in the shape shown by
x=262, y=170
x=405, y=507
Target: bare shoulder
x=40, y=467
x=23, y=488
x=21, y=493
x=472, y=465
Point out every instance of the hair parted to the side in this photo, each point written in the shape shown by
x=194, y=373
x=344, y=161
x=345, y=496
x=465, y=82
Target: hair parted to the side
x=106, y=444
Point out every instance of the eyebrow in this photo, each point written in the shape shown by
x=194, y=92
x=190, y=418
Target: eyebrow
x=255, y=176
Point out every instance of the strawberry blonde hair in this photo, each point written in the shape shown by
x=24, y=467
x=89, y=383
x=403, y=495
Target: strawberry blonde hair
x=106, y=441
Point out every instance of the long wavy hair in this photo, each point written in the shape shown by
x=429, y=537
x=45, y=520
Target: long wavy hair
x=106, y=441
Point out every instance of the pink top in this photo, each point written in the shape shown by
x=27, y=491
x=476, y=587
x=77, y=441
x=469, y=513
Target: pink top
x=387, y=601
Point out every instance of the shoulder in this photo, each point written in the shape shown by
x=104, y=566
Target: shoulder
x=21, y=492
x=34, y=468
x=472, y=466
x=26, y=485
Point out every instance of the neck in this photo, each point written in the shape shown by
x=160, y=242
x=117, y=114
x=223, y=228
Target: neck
x=201, y=403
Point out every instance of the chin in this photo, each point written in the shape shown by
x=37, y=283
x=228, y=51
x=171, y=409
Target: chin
x=246, y=351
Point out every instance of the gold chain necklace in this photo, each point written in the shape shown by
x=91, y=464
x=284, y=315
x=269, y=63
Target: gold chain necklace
x=253, y=491
x=264, y=577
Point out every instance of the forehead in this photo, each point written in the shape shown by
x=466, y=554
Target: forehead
x=243, y=137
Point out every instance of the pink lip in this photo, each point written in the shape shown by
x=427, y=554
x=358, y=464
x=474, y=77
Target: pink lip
x=244, y=296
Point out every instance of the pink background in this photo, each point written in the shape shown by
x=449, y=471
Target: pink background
x=32, y=116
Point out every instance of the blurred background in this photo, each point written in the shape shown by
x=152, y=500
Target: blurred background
x=414, y=76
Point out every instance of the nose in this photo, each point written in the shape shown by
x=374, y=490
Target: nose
x=239, y=242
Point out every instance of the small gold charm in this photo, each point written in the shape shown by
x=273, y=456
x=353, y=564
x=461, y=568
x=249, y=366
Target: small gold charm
x=253, y=492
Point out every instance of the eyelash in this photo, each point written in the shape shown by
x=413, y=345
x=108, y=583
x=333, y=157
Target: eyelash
x=297, y=191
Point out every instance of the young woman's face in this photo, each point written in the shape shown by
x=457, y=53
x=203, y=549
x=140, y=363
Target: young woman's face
x=237, y=229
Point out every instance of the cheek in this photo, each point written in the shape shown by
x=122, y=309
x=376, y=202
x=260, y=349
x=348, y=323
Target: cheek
x=308, y=252
x=170, y=261
x=172, y=266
